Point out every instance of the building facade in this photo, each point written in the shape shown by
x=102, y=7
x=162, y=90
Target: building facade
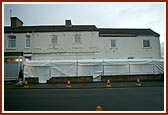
x=73, y=42
x=80, y=42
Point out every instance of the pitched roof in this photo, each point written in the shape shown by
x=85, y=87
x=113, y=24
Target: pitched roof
x=23, y=29
x=120, y=32
x=103, y=32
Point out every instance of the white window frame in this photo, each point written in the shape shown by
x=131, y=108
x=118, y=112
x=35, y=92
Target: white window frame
x=27, y=38
x=115, y=41
x=148, y=44
x=9, y=37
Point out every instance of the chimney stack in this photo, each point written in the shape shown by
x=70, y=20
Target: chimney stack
x=68, y=23
x=16, y=22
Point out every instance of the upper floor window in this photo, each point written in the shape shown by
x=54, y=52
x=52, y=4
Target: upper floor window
x=11, y=41
x=54, y=39
x=113, y=44
x=77, y=38
x=146, y=43
x=27, y=45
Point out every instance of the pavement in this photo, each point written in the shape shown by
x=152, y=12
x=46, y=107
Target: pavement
x=88, y=85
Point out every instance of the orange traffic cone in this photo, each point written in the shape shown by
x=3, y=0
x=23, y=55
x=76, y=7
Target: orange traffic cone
x=26, y=85
x=98, y=108
x=108, y=83
x=138, y=83
x=68, y=84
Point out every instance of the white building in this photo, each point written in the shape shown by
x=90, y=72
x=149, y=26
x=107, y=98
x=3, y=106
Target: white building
x=74, y=42
x=81, y=42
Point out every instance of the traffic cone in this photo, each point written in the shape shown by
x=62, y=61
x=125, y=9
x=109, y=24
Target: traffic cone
x=26, y=85
x=68, y=84
x=98, y=108
x=138, y=83
x=108, y=83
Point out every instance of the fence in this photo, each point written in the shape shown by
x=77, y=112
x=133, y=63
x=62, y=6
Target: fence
x=46, y=69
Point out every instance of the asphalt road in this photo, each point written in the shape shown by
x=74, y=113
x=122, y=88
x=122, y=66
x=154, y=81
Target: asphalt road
x=110, y=99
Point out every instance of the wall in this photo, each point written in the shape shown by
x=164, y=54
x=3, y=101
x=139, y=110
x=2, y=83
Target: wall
x=94, y=47
x=131, y=47
x=20, y=43
x=11, y=70
x=148, y=77
x=65, y=48
x=91, y=47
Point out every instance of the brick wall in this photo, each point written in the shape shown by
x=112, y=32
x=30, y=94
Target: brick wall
x=159, y=77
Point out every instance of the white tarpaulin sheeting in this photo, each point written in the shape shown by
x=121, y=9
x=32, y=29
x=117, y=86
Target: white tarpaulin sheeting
x=46, y=69
x=42, y=72
x=63, y=68
x=40, y=69
x=91, y=68
x=116, y=67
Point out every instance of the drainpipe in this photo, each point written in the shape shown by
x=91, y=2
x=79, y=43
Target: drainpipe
x=77, y=68
x=18, y=67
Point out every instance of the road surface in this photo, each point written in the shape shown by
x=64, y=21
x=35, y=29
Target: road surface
x=110, y=99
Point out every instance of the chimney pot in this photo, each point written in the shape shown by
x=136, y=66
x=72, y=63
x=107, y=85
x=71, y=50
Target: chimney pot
x=68, y=23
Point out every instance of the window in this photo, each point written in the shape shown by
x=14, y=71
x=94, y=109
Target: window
x=77, y=38
x=113, y=44
x=27, y=41
x=54, y=39
x=146, y=43
x=12, y=41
